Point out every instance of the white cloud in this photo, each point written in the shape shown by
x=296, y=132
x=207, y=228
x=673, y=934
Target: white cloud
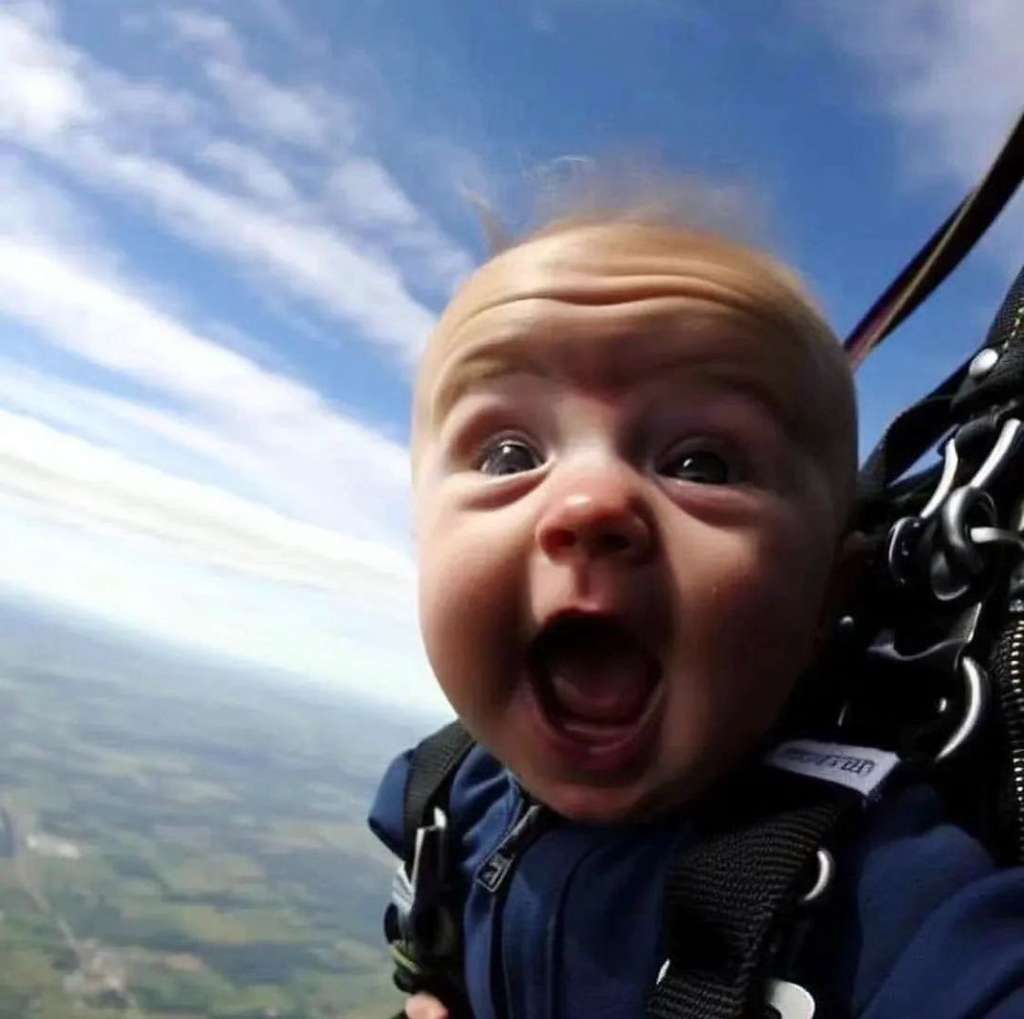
x=366, y=195
x=308, y=259
x=41, y=96
x=266, y=107
x=137, y=582
x=210, y=31
x=257, y=174
x=51, y=89
x=950, y=74
x=112, y=327
x=103, y=533
x=142, y=432
x=97, y=531
x=94, y=486
x=211, y=498
x=89, y=121
x=34, y=207
x=304, y=115
x=369, y=193
x=331, y=468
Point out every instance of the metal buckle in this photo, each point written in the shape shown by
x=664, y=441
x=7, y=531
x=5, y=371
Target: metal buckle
x=950, y=544
x=418, y=922
x=947, y=543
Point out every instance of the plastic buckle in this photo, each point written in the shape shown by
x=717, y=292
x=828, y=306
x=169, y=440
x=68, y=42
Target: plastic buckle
x=418, y=923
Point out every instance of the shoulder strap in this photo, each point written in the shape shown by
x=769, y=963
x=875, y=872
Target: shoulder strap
x=434, y=764
x=422, y=922
x=729, y=896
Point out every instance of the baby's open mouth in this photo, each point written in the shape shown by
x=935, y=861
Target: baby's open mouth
x=594, y=680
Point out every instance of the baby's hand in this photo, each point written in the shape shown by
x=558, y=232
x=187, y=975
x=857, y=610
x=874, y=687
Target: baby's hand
x=425, y=1006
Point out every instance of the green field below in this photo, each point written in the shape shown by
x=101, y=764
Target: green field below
x=187, y=850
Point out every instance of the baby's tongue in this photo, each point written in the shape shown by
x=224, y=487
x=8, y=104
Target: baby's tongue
x=605, y=681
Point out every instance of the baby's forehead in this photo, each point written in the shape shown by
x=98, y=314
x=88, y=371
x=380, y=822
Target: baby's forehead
x=590, y=284
x=603, y=259
x=576, y=288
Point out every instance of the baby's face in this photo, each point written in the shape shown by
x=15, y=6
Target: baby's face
x=626, y=523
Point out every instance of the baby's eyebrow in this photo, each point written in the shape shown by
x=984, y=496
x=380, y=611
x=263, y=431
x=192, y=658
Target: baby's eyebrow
x=495, y=363
x=477, y=369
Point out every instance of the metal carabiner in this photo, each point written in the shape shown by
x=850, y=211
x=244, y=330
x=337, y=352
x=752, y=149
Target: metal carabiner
x=938, y=542
x=999, y=456
x=957, y=560
x=950, y=469
x=996, y=459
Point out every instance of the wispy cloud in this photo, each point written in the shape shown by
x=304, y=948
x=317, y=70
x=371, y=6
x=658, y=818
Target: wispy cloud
x=173, y=482
x=949, y=74
x=159, y=467
x=252, y=170
x=313, y=453
x=324, y=526
x=99, y=488
x=306, y=116
x=136, y=139
x=141, y=583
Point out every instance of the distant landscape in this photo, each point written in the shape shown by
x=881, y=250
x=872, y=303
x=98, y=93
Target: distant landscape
x=181, y=839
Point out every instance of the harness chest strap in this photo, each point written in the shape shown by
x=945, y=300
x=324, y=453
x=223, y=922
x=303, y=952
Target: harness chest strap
x=726, y=897
x=423, y=922
x=729, y=896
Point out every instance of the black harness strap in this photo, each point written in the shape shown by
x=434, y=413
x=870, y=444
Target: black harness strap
x=909, y=436
x=423, y=922
x=728, y=896
x=434, y=763
x=961, y=395
x=1004, y=379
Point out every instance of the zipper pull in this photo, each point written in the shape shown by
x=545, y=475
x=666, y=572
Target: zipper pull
x=499, y=864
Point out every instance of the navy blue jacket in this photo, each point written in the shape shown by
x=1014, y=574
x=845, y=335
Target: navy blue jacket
x=920, y=922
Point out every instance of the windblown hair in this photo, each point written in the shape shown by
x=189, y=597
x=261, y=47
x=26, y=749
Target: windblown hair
x=575, y=191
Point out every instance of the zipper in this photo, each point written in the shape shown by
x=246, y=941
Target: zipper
x=1009, y=672
x=495, y=876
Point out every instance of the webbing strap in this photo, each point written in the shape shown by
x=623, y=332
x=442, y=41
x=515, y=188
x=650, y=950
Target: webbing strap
x=1004, y=381
x=728, y=895
x=909, y=436
x=944, y=250
x=954, y=400
x=434, y=763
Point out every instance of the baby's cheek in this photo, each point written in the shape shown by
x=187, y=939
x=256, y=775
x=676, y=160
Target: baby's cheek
x=468, y=606
x=751, y=620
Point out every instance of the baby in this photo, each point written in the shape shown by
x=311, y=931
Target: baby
x=634, y=455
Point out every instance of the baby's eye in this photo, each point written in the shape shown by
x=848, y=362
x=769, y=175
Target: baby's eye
x=508, y=456
x=700, y=466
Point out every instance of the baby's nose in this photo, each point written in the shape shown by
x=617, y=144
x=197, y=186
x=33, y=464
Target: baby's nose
x=597, y=517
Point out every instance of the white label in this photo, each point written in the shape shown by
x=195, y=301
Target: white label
x=862, y=769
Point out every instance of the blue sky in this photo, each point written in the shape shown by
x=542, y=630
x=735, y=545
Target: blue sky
x=227, y=229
